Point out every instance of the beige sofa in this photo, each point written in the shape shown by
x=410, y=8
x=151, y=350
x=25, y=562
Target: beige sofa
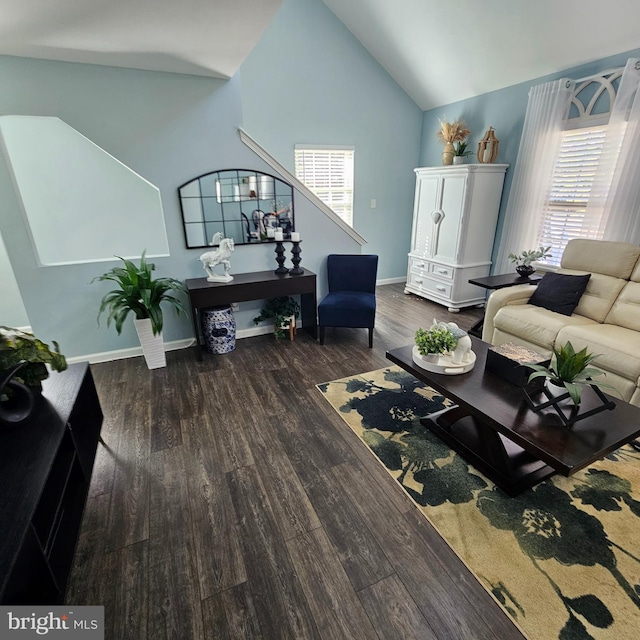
x=606, y=320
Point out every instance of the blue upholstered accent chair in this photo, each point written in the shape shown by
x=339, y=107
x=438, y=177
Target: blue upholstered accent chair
x=351, y=301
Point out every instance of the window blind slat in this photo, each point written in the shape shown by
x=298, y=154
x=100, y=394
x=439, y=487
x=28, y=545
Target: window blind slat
x=329, y=174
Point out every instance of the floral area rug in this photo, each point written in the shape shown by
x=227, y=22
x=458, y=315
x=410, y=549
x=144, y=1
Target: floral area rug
x=562, y=558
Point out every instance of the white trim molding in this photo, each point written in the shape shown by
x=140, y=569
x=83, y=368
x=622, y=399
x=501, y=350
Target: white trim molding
x=299, y=186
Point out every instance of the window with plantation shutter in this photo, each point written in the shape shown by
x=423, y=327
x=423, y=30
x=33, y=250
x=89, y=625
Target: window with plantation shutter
x=584, y=167
x=328, y=172
x=572, y=185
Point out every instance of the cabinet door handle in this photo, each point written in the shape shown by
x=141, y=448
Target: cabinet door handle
x=418, y=281
x=421, y=265
x=442, y=271
x=440, y=288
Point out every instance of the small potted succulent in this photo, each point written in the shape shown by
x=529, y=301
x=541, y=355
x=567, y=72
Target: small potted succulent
x=460, y=152
x=570, y=369
x=283, y=311
x=523, y=260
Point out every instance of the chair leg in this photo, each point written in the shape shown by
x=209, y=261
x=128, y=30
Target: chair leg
x=321, y=334
x=370, y=337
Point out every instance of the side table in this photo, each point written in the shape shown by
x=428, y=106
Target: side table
x=499, y=282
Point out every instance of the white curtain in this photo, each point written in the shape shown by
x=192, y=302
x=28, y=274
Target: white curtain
x=615, y=195
x=544, y=123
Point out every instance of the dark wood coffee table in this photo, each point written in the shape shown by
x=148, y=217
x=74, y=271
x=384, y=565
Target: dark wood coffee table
x=492, y=427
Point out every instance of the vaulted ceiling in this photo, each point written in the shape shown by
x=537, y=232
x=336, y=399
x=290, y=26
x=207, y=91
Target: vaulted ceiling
x=438, y=51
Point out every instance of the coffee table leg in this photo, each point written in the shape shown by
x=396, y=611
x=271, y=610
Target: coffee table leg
x=505, y=463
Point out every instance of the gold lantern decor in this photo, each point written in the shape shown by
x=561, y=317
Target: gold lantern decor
x=491, y=141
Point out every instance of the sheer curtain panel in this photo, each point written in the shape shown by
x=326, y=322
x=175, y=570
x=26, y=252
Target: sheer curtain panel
x=544, y=124
x=616, y=191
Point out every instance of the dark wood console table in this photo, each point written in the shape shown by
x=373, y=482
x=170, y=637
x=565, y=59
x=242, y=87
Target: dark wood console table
x=45, y=471
x=259, y=285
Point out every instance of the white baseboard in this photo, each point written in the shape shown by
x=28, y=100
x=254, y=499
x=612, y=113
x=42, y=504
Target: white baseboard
x=174, y=345
x=391, y=280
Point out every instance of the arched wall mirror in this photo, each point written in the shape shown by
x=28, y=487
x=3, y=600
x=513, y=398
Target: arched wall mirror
x=246, y=205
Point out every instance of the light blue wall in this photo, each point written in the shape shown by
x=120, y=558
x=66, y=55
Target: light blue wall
x=12, y=310
x=310, y=81
x=170, y=128
x=504, y=110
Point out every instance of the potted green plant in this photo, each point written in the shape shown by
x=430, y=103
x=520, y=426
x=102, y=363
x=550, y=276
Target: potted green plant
x=460, y=152
x=523, y=260
x=433, y=342
x=139, y=292
x=18, y=346
x=571, y=370
x=283, y=311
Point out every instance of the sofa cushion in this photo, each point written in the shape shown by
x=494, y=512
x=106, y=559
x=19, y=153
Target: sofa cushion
x=618, y=348
x=635, y=274
x=536, y=325
x=616, y=259
x=626, y=309
x=599, y=296
x=559, y=292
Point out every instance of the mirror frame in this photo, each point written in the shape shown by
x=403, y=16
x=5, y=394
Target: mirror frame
x=246, y=194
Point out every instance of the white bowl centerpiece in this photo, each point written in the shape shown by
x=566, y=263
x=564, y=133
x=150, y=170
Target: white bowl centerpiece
x=444, y=348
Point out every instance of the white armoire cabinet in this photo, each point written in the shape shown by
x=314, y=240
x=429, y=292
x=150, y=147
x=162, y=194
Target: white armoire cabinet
x=454, y=222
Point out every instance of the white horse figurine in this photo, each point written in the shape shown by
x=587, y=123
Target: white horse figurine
x=220, y=255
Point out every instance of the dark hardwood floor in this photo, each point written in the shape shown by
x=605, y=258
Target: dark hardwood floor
x=231, y=502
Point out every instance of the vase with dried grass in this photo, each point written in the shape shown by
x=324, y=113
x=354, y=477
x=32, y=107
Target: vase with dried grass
x=449, y=133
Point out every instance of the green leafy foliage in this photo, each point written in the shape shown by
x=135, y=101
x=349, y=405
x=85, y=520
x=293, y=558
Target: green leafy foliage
x=570, y=369
x=460, y=149
x=17, y=346
x=279, y=310
x=434, y=340
x=527, y=257
x=139, y=292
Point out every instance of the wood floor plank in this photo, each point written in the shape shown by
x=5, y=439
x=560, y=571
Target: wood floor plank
x=91, y=559
x=231, y=443
x=129, y=507
x=104, y=466
x=393, y=612
x=336, y=609
x=174, y=595
x=280, y=603
x=362, y=558
x=214, y=619
x=219, y=556
x=131, y=607
x=240, y=614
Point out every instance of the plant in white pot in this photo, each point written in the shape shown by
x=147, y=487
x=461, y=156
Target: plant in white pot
x=433, y=342
x=142, y=294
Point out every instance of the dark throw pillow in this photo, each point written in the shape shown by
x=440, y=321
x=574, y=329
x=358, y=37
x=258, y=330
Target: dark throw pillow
x=559, y=292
